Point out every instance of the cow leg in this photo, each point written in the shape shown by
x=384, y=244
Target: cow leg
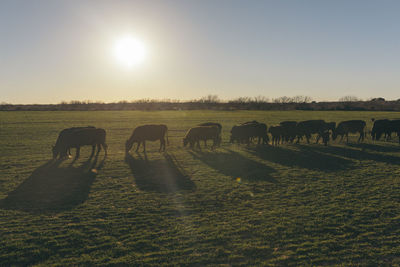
x=105, y=147
x=144, y=146
x=162, y=144
x=78, y=152
x=347, y=137
x=198, y=144
x=205, y=142
x=93, y=149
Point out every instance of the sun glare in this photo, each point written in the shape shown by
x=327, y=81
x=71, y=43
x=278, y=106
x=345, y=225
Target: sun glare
x=129, y=51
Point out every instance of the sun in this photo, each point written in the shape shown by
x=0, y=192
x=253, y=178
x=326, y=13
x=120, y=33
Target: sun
x=130, y=51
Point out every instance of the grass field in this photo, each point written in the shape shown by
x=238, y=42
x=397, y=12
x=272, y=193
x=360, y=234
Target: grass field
x=258, y=205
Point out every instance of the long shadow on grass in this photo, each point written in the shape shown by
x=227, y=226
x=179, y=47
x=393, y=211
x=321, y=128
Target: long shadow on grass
x=233, y=164
x=313, y=160
x=161, y=175
x=348, y=152
x=394, y=147
x=51, y=188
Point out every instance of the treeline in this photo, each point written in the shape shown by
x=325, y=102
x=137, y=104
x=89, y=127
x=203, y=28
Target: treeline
x=212, y=102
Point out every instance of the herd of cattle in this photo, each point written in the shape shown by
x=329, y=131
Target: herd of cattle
x=286, y=131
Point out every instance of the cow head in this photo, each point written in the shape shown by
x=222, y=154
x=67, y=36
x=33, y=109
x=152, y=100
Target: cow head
x=128, y=145
x=185, y=142
x=54, y=151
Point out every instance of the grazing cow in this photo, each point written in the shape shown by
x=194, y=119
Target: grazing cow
x=61, y=137
x=386, y=127
x=395, y=127
x=244, y=133
x=346, y=127
x=289, y=130
x=381, y=127
x=277, y=133
x=215, y=124
x=202, y=133
x=307, y=128
x=79, y=137
x=149, y=132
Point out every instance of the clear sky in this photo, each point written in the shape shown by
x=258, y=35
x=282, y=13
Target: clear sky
x=56, y=50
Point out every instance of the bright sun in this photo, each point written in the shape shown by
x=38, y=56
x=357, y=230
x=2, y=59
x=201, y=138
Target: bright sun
x=129, y=51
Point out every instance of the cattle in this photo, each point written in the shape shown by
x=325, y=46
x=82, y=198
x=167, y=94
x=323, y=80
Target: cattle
x=244, y=133
x=289, y=130
x=202, y=133
x=381, y=127
x=346, y=127
x=149, y=132
x=277, y=133
x=215, y=124
x=386, y=127
x=395, y=127
x=61, y=137
x=310, y=127
x=78, y=137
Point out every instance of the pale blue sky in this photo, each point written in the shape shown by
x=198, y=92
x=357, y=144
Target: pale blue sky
x=63, y=50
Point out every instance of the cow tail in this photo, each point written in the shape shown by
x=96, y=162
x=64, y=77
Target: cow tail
x=167, y=137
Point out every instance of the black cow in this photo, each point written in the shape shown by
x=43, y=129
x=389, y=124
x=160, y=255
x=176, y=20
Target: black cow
x=346, y=127
x=202, y=133
x=244, y=133
x=215, y=124
x=149, y=132
x=78, y=137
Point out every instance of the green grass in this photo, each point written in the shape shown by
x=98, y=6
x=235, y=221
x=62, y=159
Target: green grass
x=293, y=205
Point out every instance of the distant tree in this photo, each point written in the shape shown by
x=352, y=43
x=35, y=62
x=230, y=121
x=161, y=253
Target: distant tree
x=261, y=99
x=210, y=99
x=301, y=99
x=349, y=98
x=378, y=99
x=241, y=100
x=282, y=100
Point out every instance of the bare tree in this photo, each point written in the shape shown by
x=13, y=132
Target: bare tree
x=261, y=99
x=349, y=98
x=282, y=100
x=210, y=99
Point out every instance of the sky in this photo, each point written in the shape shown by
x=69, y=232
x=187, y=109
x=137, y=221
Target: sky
x=53, y=50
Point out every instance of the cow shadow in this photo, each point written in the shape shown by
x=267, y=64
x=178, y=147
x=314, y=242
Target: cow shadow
x=51, y=188
x=375, y=147
x=163, y=175
x=231, y=163
x=302, y=158
x=355, y=154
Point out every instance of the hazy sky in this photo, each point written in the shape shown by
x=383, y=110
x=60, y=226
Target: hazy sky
x=63, y=50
